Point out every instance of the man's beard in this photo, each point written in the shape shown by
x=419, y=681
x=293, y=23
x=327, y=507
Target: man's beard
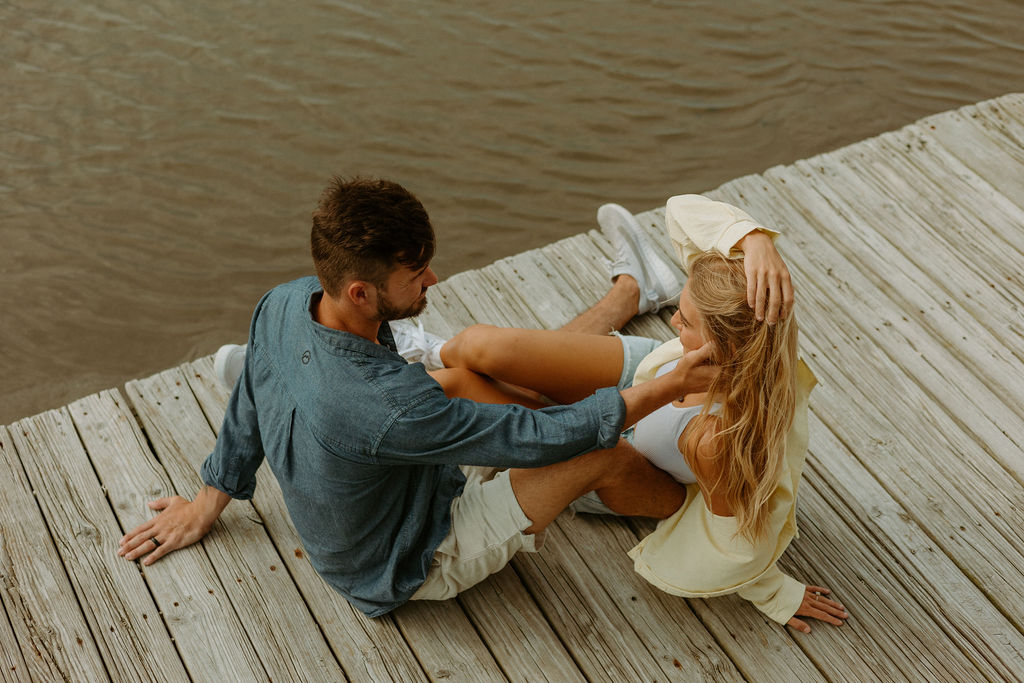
x=388, y=311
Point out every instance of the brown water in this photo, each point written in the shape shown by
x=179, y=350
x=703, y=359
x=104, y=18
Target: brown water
x=159, y=160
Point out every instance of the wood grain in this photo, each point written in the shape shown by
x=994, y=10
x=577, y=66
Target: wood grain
x=52, y=640
x=125, y=623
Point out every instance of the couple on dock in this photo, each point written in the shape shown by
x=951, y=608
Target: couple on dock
x=416, y=480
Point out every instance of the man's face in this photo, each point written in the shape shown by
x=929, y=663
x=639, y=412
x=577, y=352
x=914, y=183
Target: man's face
x=404, y=295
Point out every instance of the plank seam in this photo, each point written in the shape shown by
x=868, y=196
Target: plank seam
x=145, y=579
x=917, y=521
x=874, y=540
x=558, y=635
x=56, y=546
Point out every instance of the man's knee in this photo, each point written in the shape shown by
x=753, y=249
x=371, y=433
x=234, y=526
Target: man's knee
x=620, y=463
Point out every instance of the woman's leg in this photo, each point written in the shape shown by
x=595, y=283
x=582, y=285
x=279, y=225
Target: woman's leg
x=463, y=383
x=564, y=366
x=616, y=308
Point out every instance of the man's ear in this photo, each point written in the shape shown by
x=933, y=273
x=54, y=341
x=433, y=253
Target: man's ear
x=360, y=293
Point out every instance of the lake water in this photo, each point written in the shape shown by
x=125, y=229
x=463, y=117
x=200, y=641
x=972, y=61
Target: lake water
x=160, y=159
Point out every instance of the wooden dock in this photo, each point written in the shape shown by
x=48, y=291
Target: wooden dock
x=907, y=252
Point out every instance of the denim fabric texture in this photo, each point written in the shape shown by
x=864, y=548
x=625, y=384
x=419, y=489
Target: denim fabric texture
x=366, y=446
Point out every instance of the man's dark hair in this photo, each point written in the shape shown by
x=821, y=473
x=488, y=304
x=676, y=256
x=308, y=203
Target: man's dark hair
x=363, y=228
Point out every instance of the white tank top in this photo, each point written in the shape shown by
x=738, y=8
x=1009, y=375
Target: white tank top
x=657, y=436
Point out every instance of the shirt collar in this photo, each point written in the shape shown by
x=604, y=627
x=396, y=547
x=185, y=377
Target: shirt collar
x=346, y=341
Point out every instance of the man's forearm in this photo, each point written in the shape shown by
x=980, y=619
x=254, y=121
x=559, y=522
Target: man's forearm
x=644, y=399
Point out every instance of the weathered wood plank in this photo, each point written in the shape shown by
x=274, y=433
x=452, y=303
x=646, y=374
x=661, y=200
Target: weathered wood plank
x=581, y=260
x=550, y=297
x=515, y=630
x=368, y=649
x=53, y=641
x=12, y=665
x=957, y=606
x=974, y=522
x=445, y=643
x=666, y=624
x=484, y=301
x=194, y=604
x=987, y=139
x=1010, y=105
x=758, y=647
x=271, y=609
x=910, y=646
x=933, y=315
x=586, y=619
x=955, y=204
x=961, y=266
x=444, y=311
x=125, y=623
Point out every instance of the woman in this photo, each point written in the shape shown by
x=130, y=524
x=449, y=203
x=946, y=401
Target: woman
x=738, y=448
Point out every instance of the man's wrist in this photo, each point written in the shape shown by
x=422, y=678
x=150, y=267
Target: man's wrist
x=211, y=502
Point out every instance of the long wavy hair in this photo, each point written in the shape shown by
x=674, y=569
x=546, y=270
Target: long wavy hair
x=756, y=388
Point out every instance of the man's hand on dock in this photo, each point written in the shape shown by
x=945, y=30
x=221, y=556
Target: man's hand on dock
x=182, y=522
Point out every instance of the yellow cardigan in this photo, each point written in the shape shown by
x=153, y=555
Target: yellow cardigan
x=695, y=553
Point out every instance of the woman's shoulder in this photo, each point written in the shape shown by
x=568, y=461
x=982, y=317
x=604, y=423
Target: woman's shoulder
x=708, y=466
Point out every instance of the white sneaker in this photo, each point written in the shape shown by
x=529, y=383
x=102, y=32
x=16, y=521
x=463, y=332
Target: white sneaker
x=227, y=364
x=637, y=257
x=416, y=345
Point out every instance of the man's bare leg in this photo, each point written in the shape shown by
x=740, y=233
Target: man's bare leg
x=624, y=480
x=616, y=308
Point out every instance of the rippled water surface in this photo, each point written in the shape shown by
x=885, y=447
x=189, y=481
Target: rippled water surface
x=159, y=160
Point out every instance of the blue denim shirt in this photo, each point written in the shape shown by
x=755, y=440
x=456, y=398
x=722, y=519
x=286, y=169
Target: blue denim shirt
x=366, y=446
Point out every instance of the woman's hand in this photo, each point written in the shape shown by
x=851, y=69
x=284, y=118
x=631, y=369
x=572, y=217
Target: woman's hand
x=181, y=523
x=817, y=606
x=769, y=289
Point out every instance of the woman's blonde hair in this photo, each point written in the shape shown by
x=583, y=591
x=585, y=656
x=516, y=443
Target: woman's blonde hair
x=756, y=387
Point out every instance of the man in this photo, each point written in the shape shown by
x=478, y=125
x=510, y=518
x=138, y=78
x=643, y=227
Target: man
x=367, y=447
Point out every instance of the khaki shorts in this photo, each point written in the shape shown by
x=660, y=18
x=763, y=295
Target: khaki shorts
x=487, y=530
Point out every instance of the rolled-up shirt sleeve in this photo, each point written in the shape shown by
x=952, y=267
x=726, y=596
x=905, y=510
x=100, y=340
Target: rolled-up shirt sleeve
x=697, y=224
x=238, y=454
x=439, y=430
